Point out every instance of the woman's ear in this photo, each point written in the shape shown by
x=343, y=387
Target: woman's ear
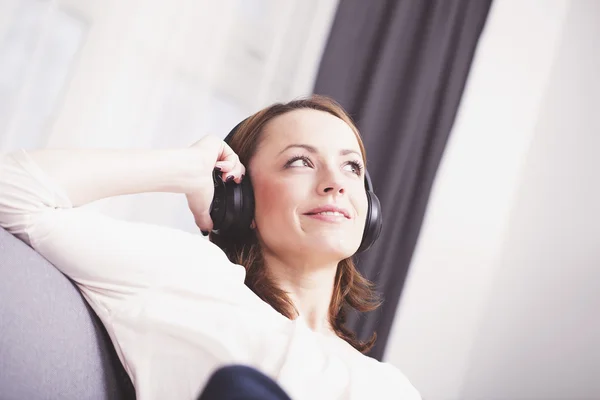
x=253, y=224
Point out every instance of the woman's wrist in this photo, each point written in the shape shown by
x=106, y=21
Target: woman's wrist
x=189, y=170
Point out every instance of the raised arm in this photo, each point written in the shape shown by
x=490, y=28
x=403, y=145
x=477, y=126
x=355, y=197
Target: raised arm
x=87, y=175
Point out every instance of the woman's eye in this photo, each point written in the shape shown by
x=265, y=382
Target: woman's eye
x=299, y=162
x=354, y=167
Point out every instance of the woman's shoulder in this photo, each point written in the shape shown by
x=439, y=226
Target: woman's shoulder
x=389, y=377
x=393, y=380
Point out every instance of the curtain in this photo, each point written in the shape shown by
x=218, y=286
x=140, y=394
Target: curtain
x=399, y=68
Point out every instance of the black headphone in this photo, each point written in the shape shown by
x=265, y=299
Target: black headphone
x=232, y=208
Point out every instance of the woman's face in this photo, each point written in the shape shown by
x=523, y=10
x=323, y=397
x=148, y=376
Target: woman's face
x=308, y=180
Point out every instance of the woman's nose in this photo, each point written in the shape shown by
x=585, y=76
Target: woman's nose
x=331, y=186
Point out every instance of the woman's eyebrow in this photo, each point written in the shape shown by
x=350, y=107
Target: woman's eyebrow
x=313, y=149
x=310, y=148
x=348, y=151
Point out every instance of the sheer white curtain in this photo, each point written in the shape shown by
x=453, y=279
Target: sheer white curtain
x=149, y=74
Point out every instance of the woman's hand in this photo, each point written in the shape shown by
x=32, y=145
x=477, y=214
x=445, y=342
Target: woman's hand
x=211, y=153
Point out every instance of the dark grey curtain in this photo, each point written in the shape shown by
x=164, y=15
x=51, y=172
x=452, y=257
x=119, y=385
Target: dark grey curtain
x=399, y=67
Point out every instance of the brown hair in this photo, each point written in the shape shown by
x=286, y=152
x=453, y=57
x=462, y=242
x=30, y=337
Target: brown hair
x=351, y=289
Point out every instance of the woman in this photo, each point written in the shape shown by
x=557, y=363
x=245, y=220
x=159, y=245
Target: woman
x=178, y=307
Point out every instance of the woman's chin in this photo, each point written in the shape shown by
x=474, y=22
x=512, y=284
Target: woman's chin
x=336, y=248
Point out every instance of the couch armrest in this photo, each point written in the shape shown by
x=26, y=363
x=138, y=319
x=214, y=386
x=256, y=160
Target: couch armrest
x=52, y=345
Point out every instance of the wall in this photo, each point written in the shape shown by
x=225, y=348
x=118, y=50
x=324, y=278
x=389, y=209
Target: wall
x=150, y=74
x=500, y=300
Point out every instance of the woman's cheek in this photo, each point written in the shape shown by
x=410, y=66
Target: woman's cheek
x=271, y=199
x=360, y=202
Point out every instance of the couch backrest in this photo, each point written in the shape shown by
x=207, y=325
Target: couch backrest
x=52, y=345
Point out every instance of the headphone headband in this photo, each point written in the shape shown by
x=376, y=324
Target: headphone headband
x=233, y=131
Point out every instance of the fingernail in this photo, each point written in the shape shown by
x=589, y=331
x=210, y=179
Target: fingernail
x=218, y=169
x=205, y=233
x=230, y=178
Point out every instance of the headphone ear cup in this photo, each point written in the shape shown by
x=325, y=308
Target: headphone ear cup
x=232, y=208
x=373, y=222
x=246, y=213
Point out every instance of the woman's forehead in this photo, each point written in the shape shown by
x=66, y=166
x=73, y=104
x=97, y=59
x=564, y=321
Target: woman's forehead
x=315, y=128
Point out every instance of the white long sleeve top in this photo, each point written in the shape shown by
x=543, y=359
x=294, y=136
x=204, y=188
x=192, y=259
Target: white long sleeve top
x=175, y=307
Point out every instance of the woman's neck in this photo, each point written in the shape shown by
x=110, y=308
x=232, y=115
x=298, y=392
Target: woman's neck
x=309, y=286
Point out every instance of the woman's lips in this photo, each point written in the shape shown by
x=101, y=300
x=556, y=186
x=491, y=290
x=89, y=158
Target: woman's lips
x=330, y=210
x=327, y=217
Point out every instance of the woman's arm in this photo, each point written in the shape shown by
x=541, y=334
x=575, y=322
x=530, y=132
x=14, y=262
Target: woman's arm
x=89, y=175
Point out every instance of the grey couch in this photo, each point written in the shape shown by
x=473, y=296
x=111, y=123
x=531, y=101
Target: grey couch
x=52, y=345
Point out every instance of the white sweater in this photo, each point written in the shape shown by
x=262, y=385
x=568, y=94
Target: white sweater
x=175, y=307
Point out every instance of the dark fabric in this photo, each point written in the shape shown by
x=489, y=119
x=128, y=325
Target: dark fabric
x=239, y=382
x=399, y=68
x=52, y=345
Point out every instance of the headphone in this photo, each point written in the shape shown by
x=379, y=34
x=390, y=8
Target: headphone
x=232, y=208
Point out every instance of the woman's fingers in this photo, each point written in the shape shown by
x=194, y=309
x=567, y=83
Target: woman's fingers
x=229, y=164
x=228, y=169
x=216, y=154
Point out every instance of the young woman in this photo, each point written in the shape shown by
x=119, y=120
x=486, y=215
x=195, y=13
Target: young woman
x=177, y=306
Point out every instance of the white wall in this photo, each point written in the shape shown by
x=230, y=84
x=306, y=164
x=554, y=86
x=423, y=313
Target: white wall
x=150, y=74
x=502, y=297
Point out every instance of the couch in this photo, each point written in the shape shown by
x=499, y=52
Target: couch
x=52, y=345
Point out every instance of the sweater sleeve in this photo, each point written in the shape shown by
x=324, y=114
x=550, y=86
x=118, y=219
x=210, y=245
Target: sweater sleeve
x=110, y=259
